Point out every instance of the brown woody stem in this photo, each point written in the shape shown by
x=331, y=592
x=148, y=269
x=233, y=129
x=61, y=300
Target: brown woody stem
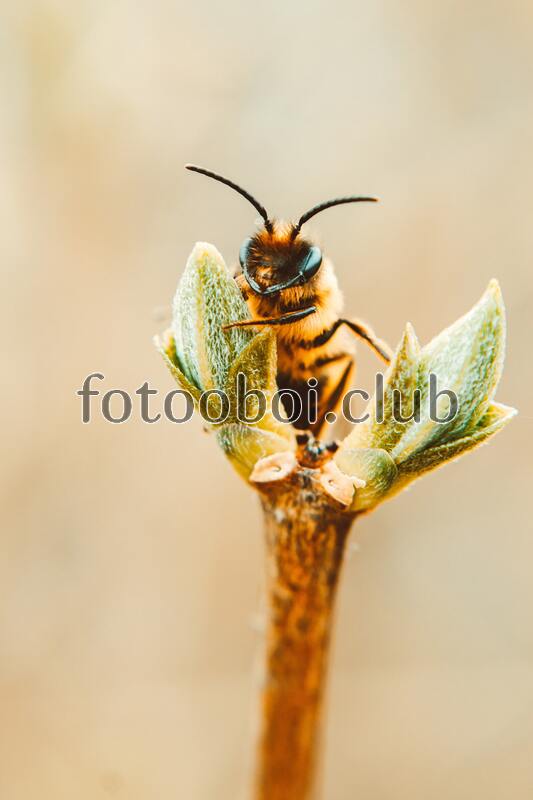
x=306, y=532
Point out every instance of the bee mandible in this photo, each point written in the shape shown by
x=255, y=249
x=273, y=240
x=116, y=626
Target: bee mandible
x=288, y=283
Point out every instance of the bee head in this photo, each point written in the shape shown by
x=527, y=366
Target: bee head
x=278, y=257
x=275, y=259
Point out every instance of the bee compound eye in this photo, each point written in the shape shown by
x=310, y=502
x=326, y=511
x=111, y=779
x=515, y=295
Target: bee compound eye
x=243, y=252
x=312, y=263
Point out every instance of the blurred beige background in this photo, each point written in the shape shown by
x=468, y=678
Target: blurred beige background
x=131, y=561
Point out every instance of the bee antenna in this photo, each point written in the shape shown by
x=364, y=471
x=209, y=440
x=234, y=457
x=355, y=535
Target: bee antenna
x=251, y=199
x=328, y=204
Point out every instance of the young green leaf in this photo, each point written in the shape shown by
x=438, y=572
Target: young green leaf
x=381, y=429
x=467, y=359
x=373, y=466
x=245, y=445
x=494, y=419
x=208, y=298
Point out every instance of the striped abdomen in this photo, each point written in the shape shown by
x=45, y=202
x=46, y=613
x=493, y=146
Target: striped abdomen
x=311, y=347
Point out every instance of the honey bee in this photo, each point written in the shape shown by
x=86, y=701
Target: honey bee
x=288, y=283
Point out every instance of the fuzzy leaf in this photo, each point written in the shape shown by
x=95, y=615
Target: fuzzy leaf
x=206, y=299
x=494, y=419
x=167, y=347
x=202, y=356
x=245, y=445
x=374, y=466
x=258, y=363
x=467, y=358
x=400, y=380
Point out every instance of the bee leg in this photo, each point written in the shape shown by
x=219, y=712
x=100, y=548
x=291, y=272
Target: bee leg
x=285, y=319
x=332, y=400
x=367, y=334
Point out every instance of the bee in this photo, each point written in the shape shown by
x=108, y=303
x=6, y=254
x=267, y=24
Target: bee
x=289, y=284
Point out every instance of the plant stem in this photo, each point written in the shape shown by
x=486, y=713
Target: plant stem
x=305, y=536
